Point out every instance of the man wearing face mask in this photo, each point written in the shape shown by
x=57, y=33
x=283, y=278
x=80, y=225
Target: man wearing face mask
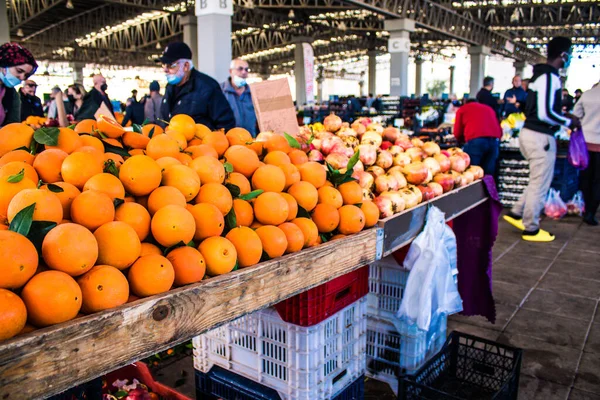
x=16, y=65
x=191, y=92
x=537, y=142
x=237, y=93
x=30, y=103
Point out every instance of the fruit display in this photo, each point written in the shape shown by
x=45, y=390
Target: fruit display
x=94, y=216
x=394, y=171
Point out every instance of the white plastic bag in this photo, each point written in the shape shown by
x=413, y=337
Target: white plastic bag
x=430, y=288
x=555, y=207
x=576, y=206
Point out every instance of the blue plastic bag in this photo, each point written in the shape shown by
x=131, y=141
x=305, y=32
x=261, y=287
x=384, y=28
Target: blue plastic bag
x=578, y=154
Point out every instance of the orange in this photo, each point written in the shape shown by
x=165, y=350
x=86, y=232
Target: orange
x=292, y=174
x=13, y=136
x=330, y=195
x=239, y=180
x=135, y=216
x=118, y=244
x=109, y=127
x=135, y=140
x=51, y=297
x=277, y=157
x=93, y=152
x=294, y=236
x=216, y=194
x=86, y=126
x=92, y=209
x=209, y=220
x=48, y=164
x=66, y=197
x=183, y=124
x=247, y=245
x=201, y=131
x=196, y=142
x=15, y=167
x=219, y=255
x=277, y=142
x=68, y=141
x=273, y=240
x=8, y=190
x=326, y=217
x=256, y=225
x=292, y=206
x=244, y=214
x=184, y=179
x=271, y=209
x=309, y=230
x=78, y=167
x=352, y=220
x=371, y=213
x=314, y=173
x=305, y=194
x=47, y=205
x=298, y=157
x=117, y=159
x=155, y=129
x=140, y=175
x=137, y=152
x=149, y=248
x=179, y=138
x=257, y=147
x=163, y=196
x=142, y=200
x=184, y=158
x=70, y=248
x=19, y=260
x=209, y=169
x=166, y=162
x=13, y=314
x=188, y=264
x=17, y=155
x=151, y=275
x=91, y=141
x=217, y=140
x=102, y=288
x=244, y=160
x=238, y=136
x=269, y=178
x=162, y=146
x=336, y=237
x=173, y=224
x=114, y=142
x=351, y=192
x=106, y=183
x=202, y=150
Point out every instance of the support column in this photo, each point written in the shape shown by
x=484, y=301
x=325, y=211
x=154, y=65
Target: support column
x=303, y=70
x=4, y=28
x=478, y=60
x=189, y=23
x=520, y=68
x=451, y=90
x=399, y=49
x=214, y=27
x=419, y=76
x=372, y=72
x=78, y=72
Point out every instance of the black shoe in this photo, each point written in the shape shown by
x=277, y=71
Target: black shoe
x=590, y=219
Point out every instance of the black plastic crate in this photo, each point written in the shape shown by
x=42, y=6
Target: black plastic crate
x=91, y=390
x=219, y=383
x=466, y=368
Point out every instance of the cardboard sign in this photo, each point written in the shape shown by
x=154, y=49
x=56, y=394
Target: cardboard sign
x=274, y=107
x=103, y=110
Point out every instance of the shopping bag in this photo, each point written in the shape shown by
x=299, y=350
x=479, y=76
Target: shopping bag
x=576, y=206
x=578, y=154
x=555, y=207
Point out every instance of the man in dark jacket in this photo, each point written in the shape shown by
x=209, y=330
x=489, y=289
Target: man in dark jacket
x=515, y=97
x=543, y=118
x=237, y=92
x=134, y=112
x=30, y=103
x=485, y=96
x=191, y=92
x=94, y=98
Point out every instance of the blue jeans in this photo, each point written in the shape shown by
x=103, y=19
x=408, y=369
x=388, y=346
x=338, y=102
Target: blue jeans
x=484, y=152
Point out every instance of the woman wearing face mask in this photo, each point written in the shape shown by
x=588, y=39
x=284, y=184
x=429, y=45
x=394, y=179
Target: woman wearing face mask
x=70, y=110
x=16, y=65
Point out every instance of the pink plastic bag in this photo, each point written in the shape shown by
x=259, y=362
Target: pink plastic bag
x=578, y=154
x=555, y=207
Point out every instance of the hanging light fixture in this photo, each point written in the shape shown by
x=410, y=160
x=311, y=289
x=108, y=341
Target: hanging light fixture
x=291, y=14
x=70, y=5
x=158, y=46
x=20, y=32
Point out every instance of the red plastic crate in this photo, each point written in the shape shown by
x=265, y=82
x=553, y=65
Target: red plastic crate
x=319, y=303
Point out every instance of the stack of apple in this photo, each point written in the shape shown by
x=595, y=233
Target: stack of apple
x=394, y=171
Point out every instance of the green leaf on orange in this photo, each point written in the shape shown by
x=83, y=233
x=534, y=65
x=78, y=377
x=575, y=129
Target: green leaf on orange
x=21, y=223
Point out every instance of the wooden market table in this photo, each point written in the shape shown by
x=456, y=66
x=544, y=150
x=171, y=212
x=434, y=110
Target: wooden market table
x=51, y=360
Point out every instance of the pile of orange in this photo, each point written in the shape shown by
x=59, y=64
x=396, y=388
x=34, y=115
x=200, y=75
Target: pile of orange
x=132, y=214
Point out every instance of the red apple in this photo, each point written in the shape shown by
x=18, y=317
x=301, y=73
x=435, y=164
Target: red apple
x=457, y=163
x=443, y=161
x=445, y=180
x=438, y=190
x=415, y=173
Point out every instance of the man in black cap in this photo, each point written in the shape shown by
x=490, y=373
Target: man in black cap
x=191, y=92
x=30, y=103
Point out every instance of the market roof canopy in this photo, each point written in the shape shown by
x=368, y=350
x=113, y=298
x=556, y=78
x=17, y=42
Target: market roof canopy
x=132, y=32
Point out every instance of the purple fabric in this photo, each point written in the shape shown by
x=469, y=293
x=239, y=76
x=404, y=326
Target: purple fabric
x=476, y=232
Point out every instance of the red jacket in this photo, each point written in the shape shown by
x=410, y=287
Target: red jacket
x=475, y=120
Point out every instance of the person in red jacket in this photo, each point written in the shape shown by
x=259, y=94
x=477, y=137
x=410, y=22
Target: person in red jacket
x=477, y=125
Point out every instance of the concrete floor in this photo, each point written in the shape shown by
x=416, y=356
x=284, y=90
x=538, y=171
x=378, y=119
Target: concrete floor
x=547, y=299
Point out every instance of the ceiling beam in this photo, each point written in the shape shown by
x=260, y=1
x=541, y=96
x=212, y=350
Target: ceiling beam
x=20, y=12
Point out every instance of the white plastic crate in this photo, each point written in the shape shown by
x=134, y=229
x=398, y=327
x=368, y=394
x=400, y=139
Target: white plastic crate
x=301, y=363
x=390, y=351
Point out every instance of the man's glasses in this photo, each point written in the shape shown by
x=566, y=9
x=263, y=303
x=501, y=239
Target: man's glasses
x=171, y=66
x=33, y=85
x=243, y=69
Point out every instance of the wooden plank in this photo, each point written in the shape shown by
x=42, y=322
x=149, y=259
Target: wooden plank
x=51, y=360
x=401, y=229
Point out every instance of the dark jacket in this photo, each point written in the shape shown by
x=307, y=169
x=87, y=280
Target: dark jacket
x=241, y=105
x=485, y=97
x=30, y=105
x=12, y=106
x=521, y=96
x=202, y=99
x=91, y=102
x=134, y=113
x=543, y=109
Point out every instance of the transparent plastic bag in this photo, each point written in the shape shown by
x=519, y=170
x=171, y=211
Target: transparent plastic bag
x=555, y=207
x=576, y=206
x=578, y=154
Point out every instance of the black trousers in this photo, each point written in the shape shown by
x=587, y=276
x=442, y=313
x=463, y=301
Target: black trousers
x=589, y=183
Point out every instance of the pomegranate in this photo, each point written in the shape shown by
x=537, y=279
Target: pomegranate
x=385, y=145
x=410, y=197
x=415, y=154
x=368, y=154
x=332, y=123
x=316, y=144
x=384, y=183
x=402, y=159
x=395, y=150
x=337, y=160
x=445, y=180
x=443, y=161
x=359, y=128
x=477, y=171
x=385, y=205
x=417, y=142
x=416, y=173
x=375, y=128
x=375, y=171
x=431, y=149
x=398, y=201
x=384, y=159
x=391, y=133
x=329, y=143
x=350, y=141
x=315, y=155
x=469, y=177
x=396, y=173
x=371, y=138
x=432, y=164
x=457, y=163
x=453, y=151
x=359, y=166
x=438, y=190
x=347, y=131
x=264, y=136
x=465, y=157
x=404, y=143
x=457, y=178
x=367, y=195
x=427, y=193
x=340, y=148
x=446, y=153
x=365, y=179
x=429, y=176
x=416, y=192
